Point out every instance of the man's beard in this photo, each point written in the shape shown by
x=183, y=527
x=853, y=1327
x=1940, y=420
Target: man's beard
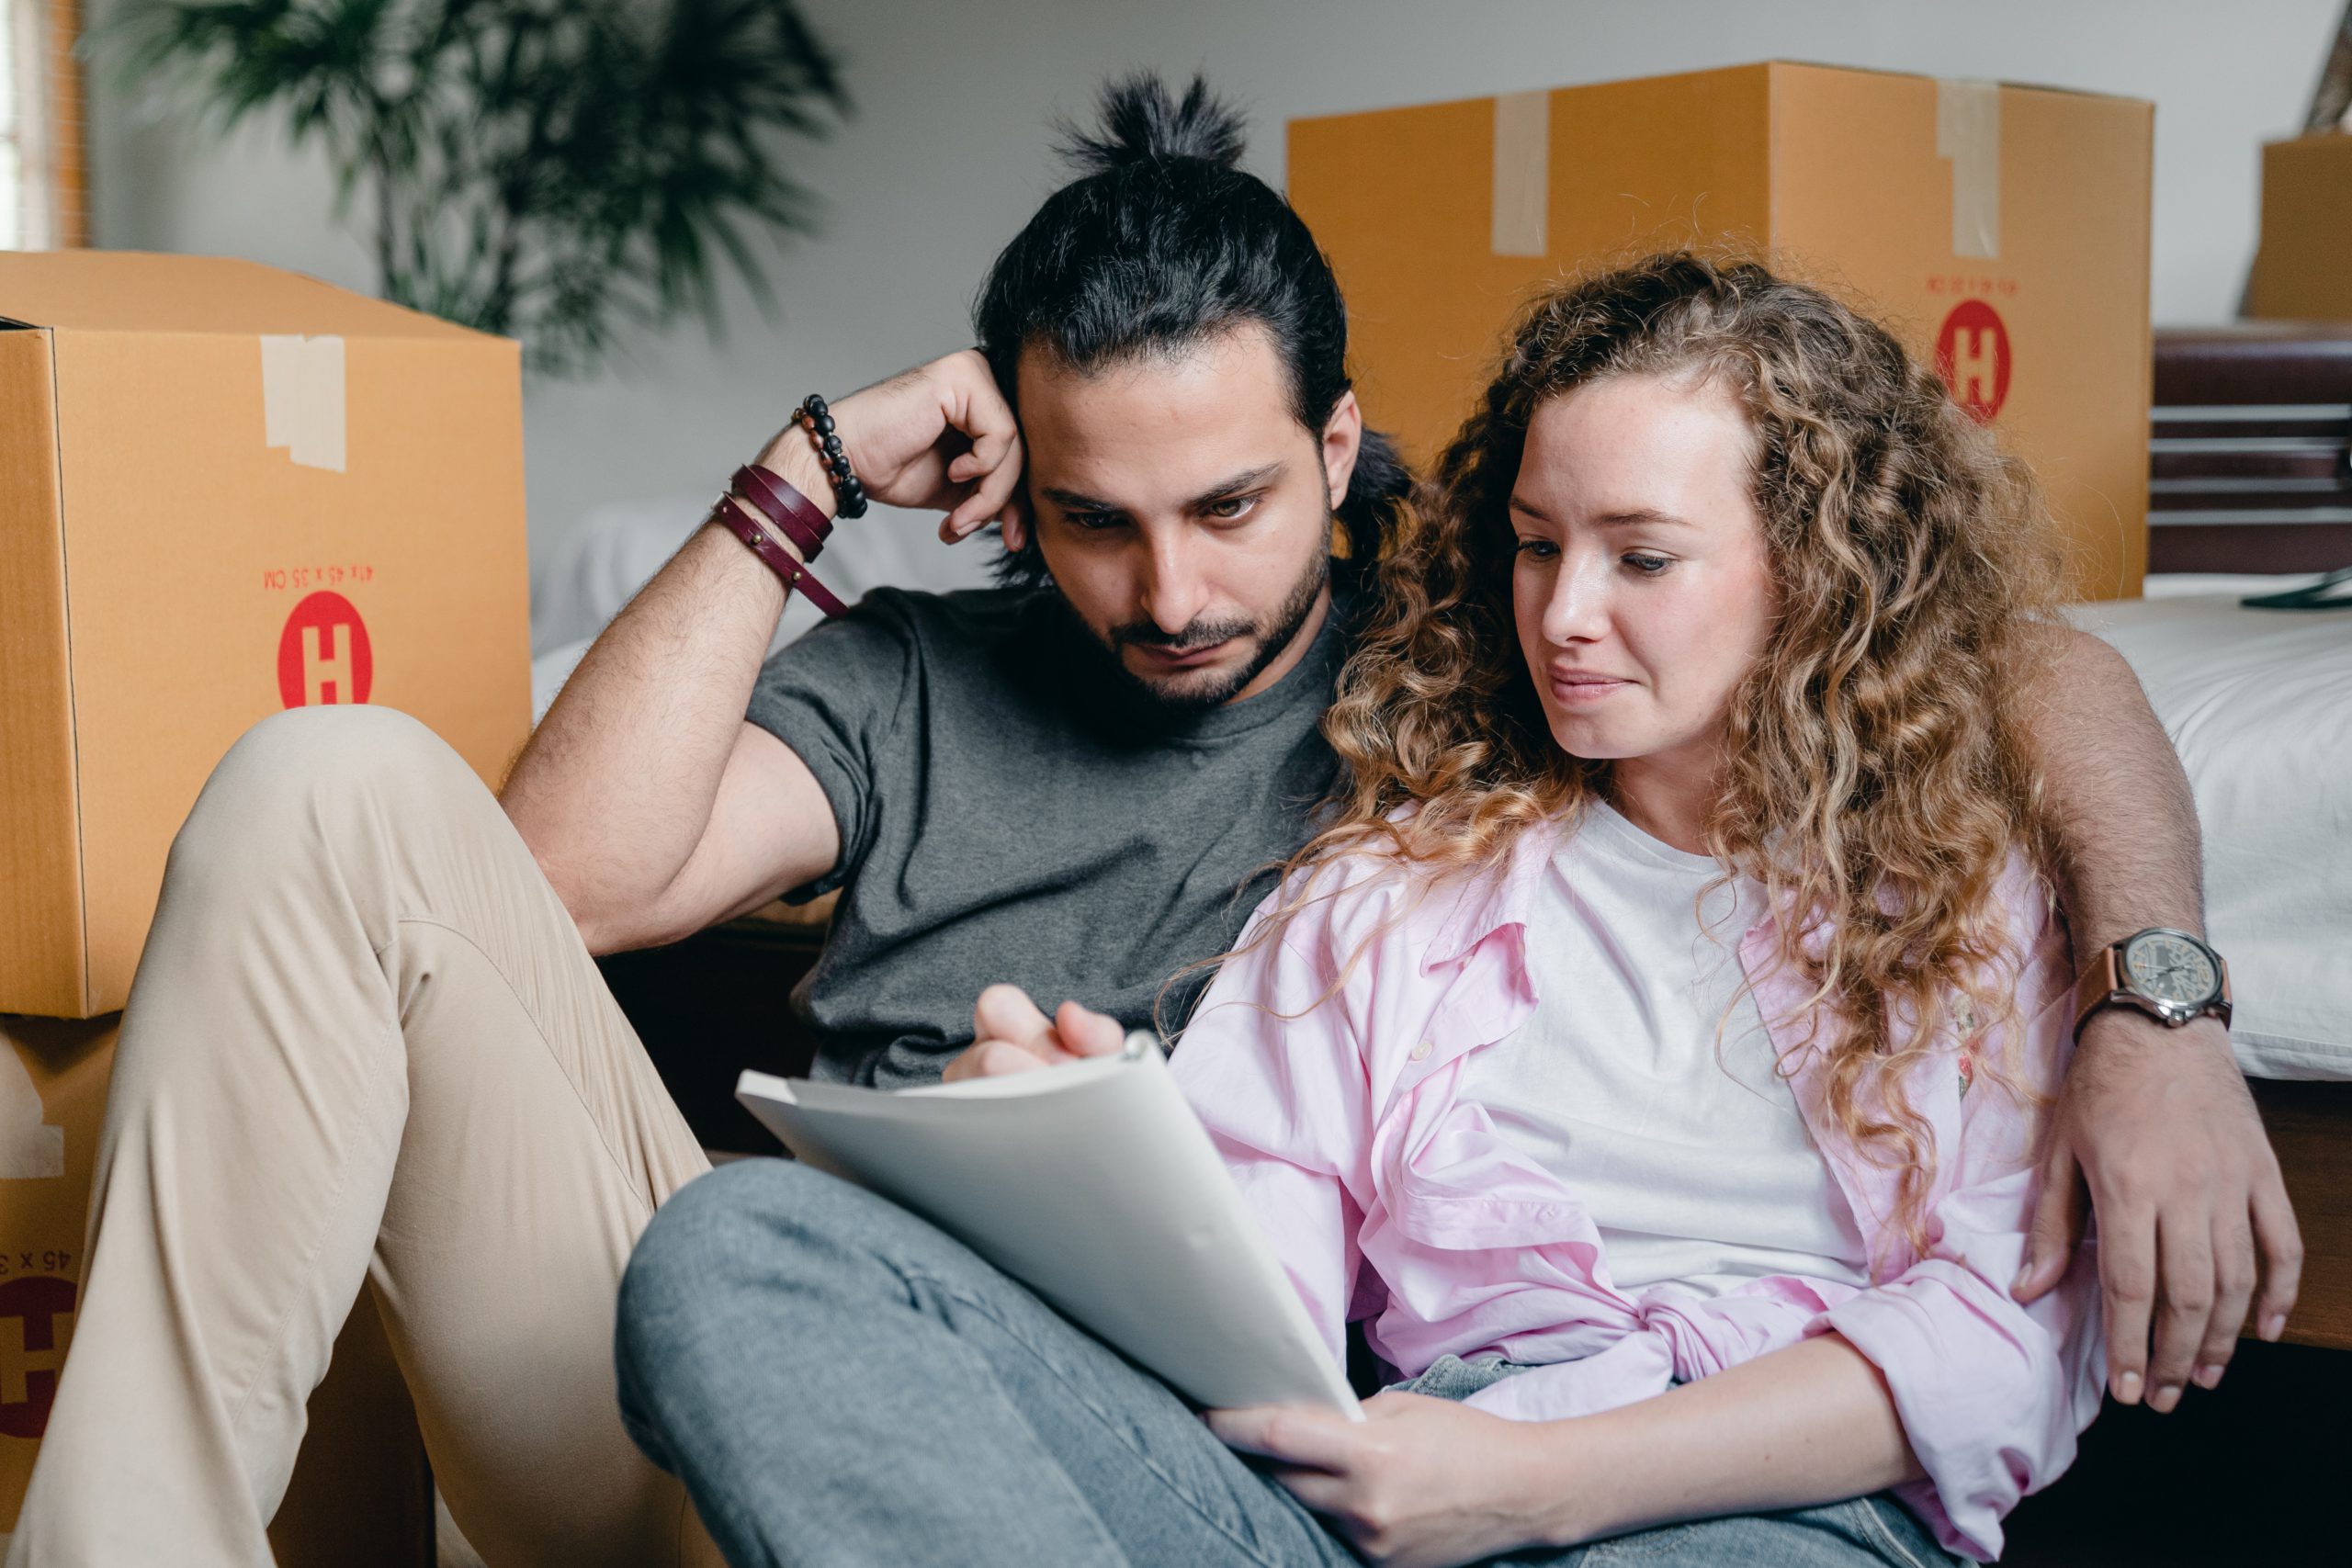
x=1273, y=637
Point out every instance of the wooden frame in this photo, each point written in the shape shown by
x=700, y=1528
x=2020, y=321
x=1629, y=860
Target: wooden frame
x=48, y=133
x=68, y=168
x=2311, y=1129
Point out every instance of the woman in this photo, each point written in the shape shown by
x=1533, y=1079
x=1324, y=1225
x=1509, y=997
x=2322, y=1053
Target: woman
x=1647, y=1054
x=1651, y=1051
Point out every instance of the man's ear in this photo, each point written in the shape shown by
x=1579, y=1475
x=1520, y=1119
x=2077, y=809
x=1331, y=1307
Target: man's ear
x=1342, y=439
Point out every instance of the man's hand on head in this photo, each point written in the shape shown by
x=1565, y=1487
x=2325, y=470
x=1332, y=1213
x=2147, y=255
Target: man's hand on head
x=1010, y=1035
x=939, y=437
x=2155, y=1125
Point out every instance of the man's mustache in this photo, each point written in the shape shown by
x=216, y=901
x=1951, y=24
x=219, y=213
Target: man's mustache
x=1197, y=634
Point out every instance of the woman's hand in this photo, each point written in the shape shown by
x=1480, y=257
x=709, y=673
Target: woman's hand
x=1010, y=1035
x=938, y=437
x=1420, y=1483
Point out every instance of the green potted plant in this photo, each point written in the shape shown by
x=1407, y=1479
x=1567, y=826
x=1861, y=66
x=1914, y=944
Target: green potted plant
x=553, y=170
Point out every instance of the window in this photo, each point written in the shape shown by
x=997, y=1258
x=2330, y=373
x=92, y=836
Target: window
x=40, y=196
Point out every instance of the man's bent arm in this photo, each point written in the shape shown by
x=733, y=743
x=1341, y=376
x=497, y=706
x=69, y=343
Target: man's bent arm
x=2156, y=1122
x=645, y=757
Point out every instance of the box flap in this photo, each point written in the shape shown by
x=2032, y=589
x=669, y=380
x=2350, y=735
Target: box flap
x=133, y=291
x=1926, y=76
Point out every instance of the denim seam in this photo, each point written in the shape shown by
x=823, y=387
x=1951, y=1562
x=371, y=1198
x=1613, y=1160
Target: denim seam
x=1642, y=1544
x=1207, y=1516
x=1887, y=1537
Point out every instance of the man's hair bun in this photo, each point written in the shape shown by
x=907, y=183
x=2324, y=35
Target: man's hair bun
x=1141, y=123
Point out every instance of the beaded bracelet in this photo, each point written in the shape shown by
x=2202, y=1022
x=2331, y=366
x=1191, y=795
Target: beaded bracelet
x=848, y=494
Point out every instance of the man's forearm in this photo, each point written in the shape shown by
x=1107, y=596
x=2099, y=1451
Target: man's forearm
x=2116, y=803
x=615, y=787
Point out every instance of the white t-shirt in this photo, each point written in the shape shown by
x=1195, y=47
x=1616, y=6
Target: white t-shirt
x=1691, y=1158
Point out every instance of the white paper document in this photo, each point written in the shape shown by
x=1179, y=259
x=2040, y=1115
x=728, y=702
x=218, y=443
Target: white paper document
x=1093, y=1184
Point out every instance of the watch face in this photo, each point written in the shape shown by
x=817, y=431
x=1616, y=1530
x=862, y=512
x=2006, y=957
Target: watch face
x=2170, y=968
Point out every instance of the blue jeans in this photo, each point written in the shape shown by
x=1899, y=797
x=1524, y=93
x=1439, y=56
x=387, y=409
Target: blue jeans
x=839, y=1382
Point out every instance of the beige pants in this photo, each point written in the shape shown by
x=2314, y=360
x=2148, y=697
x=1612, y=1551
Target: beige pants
x=365, y=1042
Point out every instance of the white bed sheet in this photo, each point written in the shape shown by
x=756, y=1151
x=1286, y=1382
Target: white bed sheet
x=2259, y=703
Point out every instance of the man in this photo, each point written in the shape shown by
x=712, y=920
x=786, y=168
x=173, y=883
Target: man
x=367, y=1035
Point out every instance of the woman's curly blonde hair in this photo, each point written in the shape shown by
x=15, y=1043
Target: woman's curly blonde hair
x=1874, y=775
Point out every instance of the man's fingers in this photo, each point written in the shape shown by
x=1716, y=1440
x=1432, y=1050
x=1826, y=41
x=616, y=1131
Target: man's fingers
x=993, y=487
x=2127, y=1260
x=1084, y=1033
x=2233, y=1281
x=2282, y=1255
x=2057, y=1226
x=2185, y=1298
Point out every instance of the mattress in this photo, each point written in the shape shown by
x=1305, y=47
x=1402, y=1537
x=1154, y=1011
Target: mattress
x=2259, y=703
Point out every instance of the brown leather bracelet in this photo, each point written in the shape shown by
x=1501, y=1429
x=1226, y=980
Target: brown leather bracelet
x=790, y=511
x=774, y=557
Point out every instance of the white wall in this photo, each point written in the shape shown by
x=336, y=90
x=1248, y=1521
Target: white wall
x=948, y=155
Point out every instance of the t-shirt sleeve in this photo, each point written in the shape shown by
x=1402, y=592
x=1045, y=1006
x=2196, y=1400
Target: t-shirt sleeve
x=836, y=696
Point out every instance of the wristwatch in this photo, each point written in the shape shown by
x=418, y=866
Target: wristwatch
x=2168, y=975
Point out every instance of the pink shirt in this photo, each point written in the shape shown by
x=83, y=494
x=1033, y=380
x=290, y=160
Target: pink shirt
x=1388, y=1196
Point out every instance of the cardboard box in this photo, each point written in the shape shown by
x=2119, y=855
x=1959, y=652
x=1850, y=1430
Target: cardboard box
x=2304, y=269
x=52, y=1097
x=225, y=490
x=2001, y=230
x=360, y=1495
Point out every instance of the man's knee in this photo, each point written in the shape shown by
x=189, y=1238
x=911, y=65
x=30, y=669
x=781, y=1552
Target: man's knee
x=312, y=770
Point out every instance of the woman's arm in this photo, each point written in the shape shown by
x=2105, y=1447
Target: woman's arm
x=1426, y=1482
x=1813, y=1422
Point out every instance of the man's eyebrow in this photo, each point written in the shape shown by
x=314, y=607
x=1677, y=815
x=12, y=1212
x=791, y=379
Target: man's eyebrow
x=1075, y=500
x=1224, y=490
x=1249, y=480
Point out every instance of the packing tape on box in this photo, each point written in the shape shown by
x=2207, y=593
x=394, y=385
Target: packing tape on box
x=302, y=399
x=1968, y=131
x=1523, y=175
x=31, y=1149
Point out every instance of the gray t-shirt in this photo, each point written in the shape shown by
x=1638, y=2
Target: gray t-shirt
x=1010, y=811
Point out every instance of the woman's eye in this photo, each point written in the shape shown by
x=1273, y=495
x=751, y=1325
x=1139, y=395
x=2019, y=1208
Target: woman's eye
x=1648, y=566
x=1538, y=549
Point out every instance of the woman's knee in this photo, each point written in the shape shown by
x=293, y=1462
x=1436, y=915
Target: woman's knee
x=742, y=1246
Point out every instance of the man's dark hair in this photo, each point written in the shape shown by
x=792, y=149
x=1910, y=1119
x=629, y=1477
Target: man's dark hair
x=1160, y=244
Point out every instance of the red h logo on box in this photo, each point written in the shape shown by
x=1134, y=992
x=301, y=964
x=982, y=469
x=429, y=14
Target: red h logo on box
x=1973, y=357
x=36, y=1322
x=323, y=654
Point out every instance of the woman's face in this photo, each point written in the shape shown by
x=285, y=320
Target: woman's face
x=1640, y=586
